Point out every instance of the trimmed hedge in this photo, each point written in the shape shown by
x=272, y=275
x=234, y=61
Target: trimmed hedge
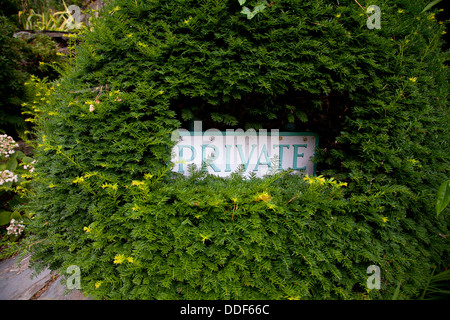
x=107, y=201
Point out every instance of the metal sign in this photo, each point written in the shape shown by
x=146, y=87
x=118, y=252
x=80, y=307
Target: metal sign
x=260, y=152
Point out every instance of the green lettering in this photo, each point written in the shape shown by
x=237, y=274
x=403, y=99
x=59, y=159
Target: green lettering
x=180, y=148
x=296, y=155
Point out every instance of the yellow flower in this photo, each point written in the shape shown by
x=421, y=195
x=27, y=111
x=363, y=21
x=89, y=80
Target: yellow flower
x=117, y=8
x=401, y=11
x=263, y=197
x=338, y=15
x=431, y=16
x=321, y=180
x=204, y=237
x=444, y=32
x=78, y=180
x=87, y=229
x=118, y=259
x=98, y=284
x=89, y=174
x=112, y=186
x=413, y=79
x=309, y=179
x=385, y=219
x=148, y=176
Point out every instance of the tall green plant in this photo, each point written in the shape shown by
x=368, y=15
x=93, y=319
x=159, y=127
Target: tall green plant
x=48, y=20
x=438, y=286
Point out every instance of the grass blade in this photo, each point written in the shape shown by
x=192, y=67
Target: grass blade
x=396, y=292
x=430, y=5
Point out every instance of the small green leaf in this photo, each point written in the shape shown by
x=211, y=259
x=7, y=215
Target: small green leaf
x=247, y=11
x=258, y=8
x=187, y=114
x=291, y=118
x=443, y=197
x=242, y=2
x=11, y=165
x=27, y=160
x=5, y=218
x=301, y=116
x=19, y=155
x=16, y=215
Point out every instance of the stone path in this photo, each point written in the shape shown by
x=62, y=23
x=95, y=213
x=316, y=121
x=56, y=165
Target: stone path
x=16, y=283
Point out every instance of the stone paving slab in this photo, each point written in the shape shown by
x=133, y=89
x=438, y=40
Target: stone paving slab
x=56, y=291
x=17, y=283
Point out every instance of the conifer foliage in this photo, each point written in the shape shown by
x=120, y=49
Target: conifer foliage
x=107, y=201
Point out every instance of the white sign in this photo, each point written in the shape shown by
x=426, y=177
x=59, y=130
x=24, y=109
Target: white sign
x=259, y=151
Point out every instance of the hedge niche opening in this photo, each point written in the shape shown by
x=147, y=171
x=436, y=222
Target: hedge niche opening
x=107, y=200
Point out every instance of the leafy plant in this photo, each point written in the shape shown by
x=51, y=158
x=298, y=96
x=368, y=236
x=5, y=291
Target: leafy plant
x=21, y=58
x=106, y=199
x=48, y=20
x=438, y=286
x=15, y=170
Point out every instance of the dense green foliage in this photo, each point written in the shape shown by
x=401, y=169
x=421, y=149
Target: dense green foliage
x=107, y=202
x=11, y=79
x=20, y=58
